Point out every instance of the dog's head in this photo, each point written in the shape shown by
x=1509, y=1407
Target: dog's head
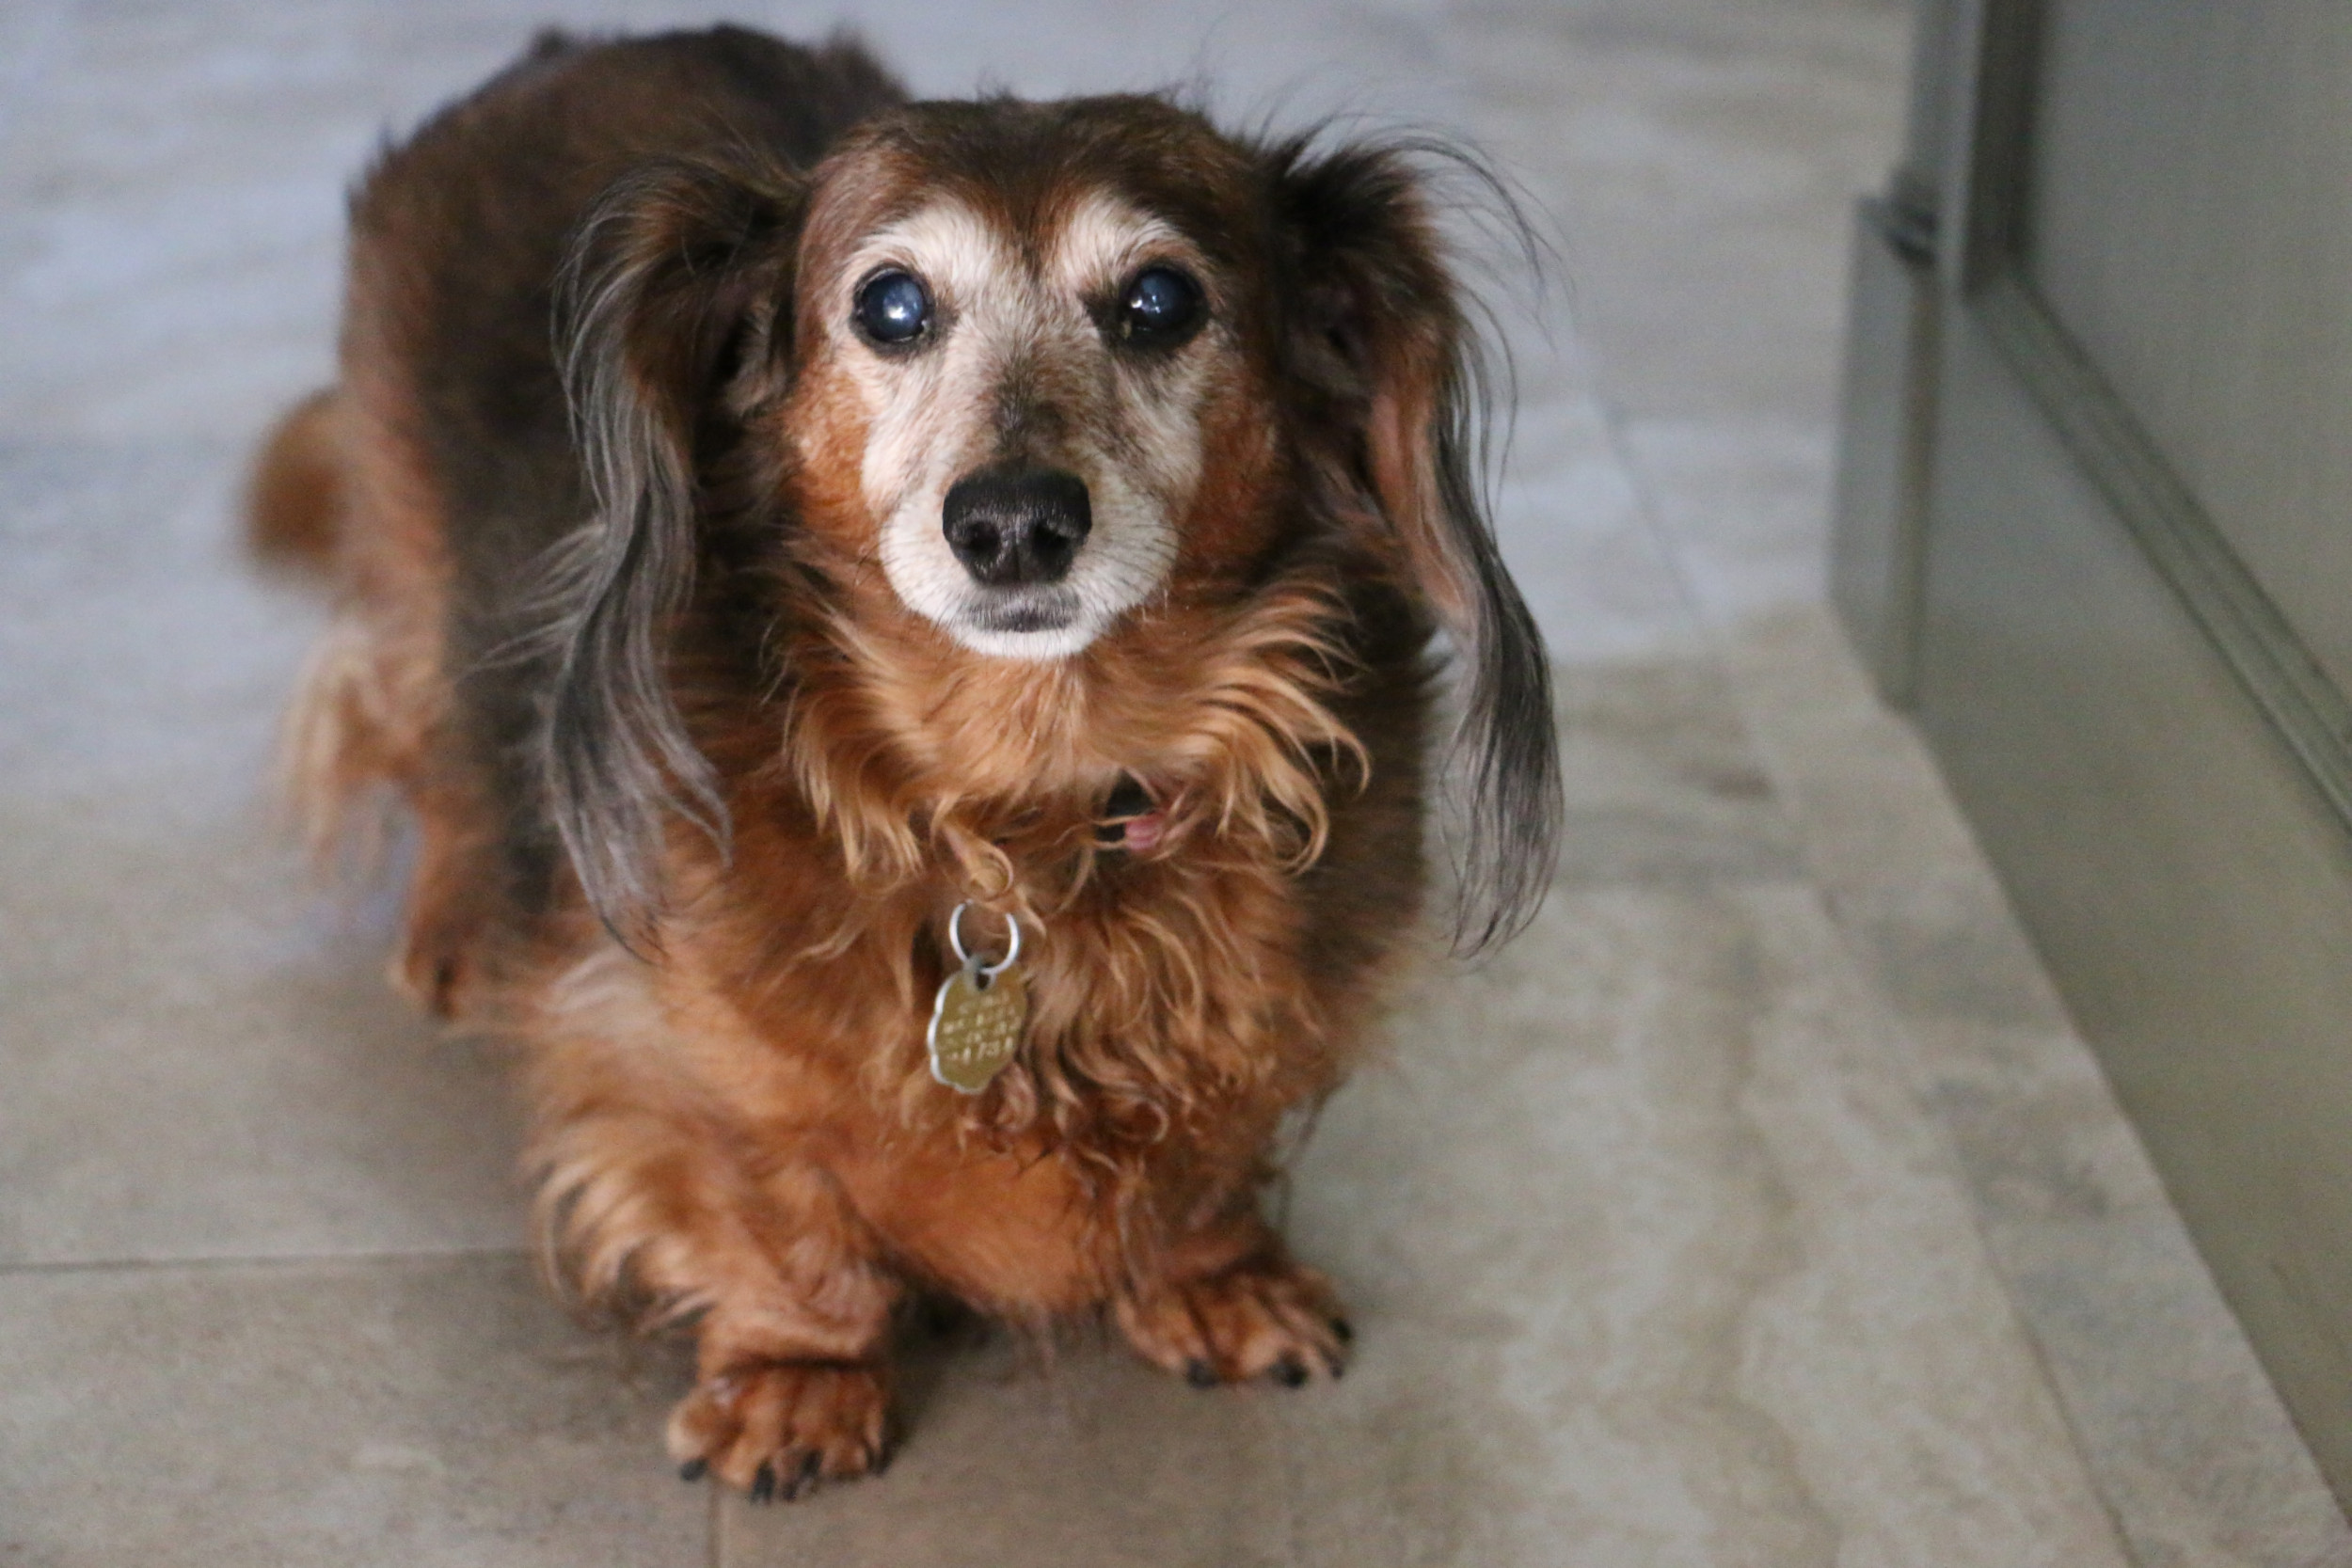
x=1049, y=366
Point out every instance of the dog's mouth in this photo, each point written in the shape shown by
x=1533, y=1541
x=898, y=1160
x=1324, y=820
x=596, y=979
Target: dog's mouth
x=1133, y=819
x=1024, y=610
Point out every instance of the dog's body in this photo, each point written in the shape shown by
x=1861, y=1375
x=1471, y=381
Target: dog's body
x=695, y=808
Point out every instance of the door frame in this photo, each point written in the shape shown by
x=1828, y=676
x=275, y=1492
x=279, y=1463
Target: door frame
x=1990, y=61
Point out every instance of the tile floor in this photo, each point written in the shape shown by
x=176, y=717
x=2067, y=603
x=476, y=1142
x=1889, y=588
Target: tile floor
x=1757, y=1208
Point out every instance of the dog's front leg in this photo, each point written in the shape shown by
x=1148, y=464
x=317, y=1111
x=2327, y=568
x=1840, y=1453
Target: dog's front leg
x=1228, y=1304
x=791, y=1310
x=791, y=1387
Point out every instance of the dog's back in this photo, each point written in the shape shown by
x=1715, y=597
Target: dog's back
x=458, y=235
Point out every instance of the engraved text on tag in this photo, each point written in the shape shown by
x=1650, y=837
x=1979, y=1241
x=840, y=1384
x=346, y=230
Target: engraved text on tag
x=977, y=1024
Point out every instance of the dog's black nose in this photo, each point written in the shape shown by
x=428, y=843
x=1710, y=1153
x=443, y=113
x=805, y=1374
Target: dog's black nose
x=1014, y=526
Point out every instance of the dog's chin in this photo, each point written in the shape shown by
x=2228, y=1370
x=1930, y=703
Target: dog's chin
x=1026, y=623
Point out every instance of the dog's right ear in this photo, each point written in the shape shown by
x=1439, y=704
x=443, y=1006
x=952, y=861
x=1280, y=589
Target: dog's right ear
x=673, y=299
x=1384, y=344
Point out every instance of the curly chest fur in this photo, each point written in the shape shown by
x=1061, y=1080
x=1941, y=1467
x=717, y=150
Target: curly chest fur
x=1208, y=841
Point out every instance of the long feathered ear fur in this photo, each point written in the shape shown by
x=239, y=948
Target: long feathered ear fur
x=672, y=297
x=1380, y=335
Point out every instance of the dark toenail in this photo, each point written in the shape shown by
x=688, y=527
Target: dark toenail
x=764, y=1484
x=694, y=1469
x=1290, y=1373
x=807, y=1478
x=1200, y=1375
x=1345, y=1330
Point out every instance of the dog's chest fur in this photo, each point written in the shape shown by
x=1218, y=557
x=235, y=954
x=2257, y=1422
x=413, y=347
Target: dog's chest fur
x=887, y=780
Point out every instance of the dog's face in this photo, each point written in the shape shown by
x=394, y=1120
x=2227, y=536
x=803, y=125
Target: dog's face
x=1045, y=366
x=1031, y=349
x=1029, y=408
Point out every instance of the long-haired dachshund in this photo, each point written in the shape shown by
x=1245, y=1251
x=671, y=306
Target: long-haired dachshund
x=905, y=631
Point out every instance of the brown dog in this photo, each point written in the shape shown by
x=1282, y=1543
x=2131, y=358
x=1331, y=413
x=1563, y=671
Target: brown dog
x=929, y=527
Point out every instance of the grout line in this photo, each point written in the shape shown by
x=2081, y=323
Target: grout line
x=256, y=1261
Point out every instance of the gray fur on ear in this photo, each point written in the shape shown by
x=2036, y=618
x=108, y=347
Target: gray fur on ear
x=679, y=266
x=1381, y=336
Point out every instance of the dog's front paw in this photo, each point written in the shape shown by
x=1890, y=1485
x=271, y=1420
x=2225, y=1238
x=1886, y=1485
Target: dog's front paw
x=1264, y=1317
x=774, y=1429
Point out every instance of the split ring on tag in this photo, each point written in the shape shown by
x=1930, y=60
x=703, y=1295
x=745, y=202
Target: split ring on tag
x=979, y=1015
x=955, y=939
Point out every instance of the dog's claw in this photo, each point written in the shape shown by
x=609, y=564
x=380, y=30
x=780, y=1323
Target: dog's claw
x=778, y=1430
x=1343, y=1331
x=694, y=1469
x=1263, y=1317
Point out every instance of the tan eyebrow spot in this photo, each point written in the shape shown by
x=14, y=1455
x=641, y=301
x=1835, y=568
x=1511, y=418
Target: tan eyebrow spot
x=955, y=251
x=1104, y=239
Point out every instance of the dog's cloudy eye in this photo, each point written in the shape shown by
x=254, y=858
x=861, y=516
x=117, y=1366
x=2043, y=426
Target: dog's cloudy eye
x=1161, y=304
x=893, y=307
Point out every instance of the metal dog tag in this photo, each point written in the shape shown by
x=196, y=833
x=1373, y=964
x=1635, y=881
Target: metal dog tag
x=977, y=1024
x=979, y=1015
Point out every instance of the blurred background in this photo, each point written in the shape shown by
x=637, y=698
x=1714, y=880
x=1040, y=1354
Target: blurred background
x=1763, y=1205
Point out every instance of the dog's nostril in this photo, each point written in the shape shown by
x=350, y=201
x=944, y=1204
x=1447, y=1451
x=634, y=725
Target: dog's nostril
x=1011, y=526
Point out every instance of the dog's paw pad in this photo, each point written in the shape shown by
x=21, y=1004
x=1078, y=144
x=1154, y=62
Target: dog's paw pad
x=1265, y=1318
x=775, y=1429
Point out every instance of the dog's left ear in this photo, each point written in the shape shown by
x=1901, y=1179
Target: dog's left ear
x=1377, y=332
x=674, y=294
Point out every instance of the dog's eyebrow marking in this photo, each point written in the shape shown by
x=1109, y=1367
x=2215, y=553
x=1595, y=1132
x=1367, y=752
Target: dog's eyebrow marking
x=951, y=247
x=1104, y=239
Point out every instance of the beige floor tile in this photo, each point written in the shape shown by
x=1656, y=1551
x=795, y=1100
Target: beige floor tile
x=1842, y=36
x=2186, y=1440
x=1663, y=786
x=1092, y=1461
x=198, y=1055
x=1670, y=1266
x=423, y=1413
x=1745, y=503
x=1882, y=832
x=1700, y=168
x=1573, y=531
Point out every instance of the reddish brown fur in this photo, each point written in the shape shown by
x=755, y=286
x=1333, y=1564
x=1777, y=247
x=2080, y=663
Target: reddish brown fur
x=736, y=1123
x=293, y=501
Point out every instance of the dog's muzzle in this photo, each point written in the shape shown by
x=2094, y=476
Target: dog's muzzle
x=1017, y=527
